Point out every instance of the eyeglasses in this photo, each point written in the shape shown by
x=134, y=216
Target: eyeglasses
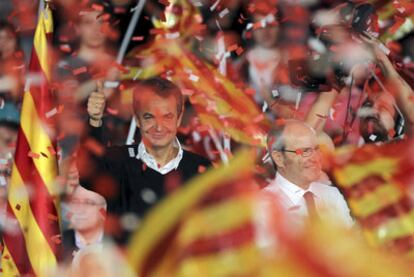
x=87, y=202
x=304, y=152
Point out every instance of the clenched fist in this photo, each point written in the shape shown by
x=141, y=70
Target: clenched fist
x=96, y=106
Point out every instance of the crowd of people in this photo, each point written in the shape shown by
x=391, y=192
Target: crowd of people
x=319, y=72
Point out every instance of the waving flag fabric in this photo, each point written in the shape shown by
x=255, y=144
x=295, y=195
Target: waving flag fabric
x=33, y=205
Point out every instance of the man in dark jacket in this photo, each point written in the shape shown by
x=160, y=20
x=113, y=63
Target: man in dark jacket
x=141, y=175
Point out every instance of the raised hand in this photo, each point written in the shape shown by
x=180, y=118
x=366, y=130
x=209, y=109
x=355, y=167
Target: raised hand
x=96, y=105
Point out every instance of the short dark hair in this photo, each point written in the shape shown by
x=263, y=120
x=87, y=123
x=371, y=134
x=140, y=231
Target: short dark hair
x=161, y=87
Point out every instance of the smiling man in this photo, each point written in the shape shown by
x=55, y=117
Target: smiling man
x=143, y=174
x=300, y=185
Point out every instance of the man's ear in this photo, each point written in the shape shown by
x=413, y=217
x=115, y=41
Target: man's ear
x=137, y=121
x=180, y=117
x=278, y=159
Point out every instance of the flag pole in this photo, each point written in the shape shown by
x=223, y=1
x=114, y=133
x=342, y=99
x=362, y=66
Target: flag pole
x=121, y=55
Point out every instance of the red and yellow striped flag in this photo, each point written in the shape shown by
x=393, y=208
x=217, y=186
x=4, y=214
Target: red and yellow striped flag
x=377, y=182
x=32, y=199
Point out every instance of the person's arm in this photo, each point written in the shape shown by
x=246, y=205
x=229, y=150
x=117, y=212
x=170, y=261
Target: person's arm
x=398, y=87
x=319, y=111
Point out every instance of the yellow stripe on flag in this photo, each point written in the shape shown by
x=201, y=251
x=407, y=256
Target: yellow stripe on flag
x=8, y=265
x=396, y=228
x=352, y=174
x=242, y=261
x=34, y=238
x=40, y=44
x=217, y=219
x=375, y=200
x=39, y=141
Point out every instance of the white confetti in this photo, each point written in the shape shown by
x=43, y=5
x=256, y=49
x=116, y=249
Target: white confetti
x=264, y=107
x=130, y=222
x=197, y=4
x=148, y=196
x=214, y=6
x=223, y=13
x=372, y=137
x=131, y=152
x=111, y=84
x=3, y=181
x=194, y=78
x=298, y=97
x=51, y=113
x=139, y=71
x=172, y=35
x=275, y=93
x=196, y=136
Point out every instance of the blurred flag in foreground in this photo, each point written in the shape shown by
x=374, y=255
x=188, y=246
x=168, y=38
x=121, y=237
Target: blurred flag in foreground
x=378, y=183
x=32, y=198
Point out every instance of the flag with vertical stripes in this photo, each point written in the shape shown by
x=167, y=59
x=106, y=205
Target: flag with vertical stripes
x=31, y=247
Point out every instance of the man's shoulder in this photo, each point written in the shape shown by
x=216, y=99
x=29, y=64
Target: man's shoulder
x=191, y=158
x=121, y=153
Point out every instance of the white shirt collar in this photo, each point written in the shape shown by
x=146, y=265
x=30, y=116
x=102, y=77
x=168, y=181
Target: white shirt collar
x=150, y=161
x=294, y=192
x=80, y=244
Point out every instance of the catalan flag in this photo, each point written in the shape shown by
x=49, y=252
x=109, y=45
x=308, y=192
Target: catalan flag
x=377, y=182
x=32, y=199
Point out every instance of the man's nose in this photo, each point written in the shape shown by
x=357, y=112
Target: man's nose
x=158, y=124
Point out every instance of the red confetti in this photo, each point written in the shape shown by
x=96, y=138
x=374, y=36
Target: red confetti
x=232, y=47
x=201, y=169
x=137, y=38
x=121, y=68
x=164, y=2
x=33, y=155
x=299, y=152
x=94, y=146
x=52, y=217
x=398, y=22
x=18, y=207
x=258, y=118
x=56, y=239
x=97, y=7
x=391, y=133
x=112, y=111
x=51, y=150
x=250, y=91
x=6, y=257
x=144, y=166
x=156, y=32
x=239, y=50
x=105, y=16
x=65, y=48
x=119, y=10
x=79, y=70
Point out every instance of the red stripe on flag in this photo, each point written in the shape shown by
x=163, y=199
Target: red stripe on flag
x=15, y=243
x=41, y=202
x=158, y=252
x=232, y=239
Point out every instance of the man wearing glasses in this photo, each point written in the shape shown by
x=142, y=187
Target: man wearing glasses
x=86, y=214
x=300, y=185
